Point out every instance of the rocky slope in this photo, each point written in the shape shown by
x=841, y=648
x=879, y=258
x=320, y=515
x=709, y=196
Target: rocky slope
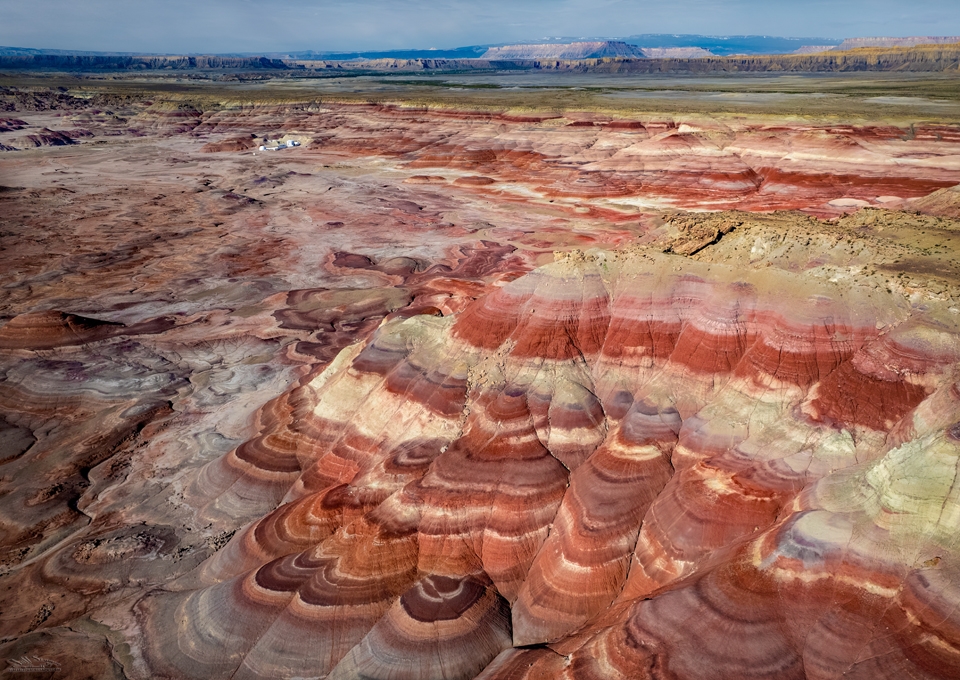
x=459, y=394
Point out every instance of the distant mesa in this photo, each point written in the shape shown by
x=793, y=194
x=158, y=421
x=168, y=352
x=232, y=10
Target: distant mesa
x=912, y=41
x=574, y=50
x=675, y=52
x=600, y=49
x=814, y=49
x=855, y=43
x=593, y=50
x=618, y=49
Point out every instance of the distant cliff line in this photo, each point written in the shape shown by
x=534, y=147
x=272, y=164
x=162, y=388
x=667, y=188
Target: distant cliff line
x=911, y=41
x=923, y=58
x=926, y=58
x=576, y=50
x=133, y=63
x=590, y=50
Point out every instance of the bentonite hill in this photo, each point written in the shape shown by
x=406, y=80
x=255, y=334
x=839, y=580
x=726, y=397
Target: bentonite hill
x=486, y=378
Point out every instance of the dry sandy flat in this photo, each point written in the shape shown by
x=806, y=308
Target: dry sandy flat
x=897, y=98
x=361, y=329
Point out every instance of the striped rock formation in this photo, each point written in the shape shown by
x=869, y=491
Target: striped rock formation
x=615, y=466
x=257, y=418
x=704, y=163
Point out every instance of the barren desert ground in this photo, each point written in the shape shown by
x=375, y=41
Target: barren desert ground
x=494, y=375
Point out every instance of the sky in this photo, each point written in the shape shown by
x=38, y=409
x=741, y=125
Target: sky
x=220, y=26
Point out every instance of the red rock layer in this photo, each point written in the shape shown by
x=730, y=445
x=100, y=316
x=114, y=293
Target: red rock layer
x=620, y=468
x=440, y=628
x=718, y=165
x=582, y=565
x=705, y=163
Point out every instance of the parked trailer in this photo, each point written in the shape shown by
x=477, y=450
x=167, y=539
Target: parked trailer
x=289, y=144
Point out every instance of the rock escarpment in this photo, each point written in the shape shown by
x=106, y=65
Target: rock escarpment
x=611, y=467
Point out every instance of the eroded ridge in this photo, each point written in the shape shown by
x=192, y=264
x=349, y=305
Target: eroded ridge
x=614, y=466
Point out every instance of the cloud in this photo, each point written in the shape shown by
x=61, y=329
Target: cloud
x=280, y=25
